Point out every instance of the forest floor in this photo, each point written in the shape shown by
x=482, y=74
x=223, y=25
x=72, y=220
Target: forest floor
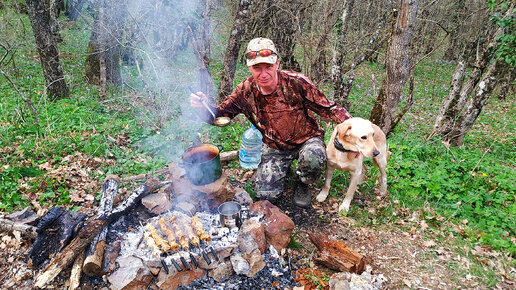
x=409, y=253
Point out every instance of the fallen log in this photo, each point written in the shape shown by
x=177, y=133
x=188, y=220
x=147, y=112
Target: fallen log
x=75, y=275
x=11, y=226
x=336, y=255
x=93, y=261
x=67, y=256
x=228, y=155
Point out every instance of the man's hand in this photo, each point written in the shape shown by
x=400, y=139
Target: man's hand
x=195, y=100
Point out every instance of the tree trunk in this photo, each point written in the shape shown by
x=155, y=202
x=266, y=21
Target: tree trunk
x=452, y=104
x=398, y=67
x=73, y=9
x=340, y=95
x=458, y=113
x=201, y=46
x=232, y=49
x=47, y=49
x=474, y=106
x=109, y=33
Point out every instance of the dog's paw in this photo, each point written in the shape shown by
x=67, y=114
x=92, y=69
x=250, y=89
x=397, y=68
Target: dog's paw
x=344, y=207
x=321, y=196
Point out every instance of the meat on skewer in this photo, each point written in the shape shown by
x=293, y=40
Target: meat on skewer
x=158, y=240
x=151, y=244
x=171, y=236
x=199, y=229
x=183, y=239
x=194, y=239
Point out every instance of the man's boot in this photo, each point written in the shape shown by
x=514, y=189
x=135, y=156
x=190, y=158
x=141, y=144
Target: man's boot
x=302, y=195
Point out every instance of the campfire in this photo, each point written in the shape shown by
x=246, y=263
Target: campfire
x=184, y=235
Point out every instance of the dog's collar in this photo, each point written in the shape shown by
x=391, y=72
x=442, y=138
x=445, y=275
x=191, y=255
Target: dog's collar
x=341, y=148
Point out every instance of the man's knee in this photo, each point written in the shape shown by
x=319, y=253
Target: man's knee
x=312, y=161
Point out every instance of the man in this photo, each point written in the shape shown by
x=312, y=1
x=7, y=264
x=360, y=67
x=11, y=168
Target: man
x=280, y=104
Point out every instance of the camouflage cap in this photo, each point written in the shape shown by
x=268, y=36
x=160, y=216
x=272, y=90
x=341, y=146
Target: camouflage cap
x=258, y=44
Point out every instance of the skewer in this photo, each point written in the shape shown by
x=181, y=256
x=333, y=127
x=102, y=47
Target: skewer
x=214, y=254
x=165, y=267
x=187, y=267
x=194, y=262
x=176, y=265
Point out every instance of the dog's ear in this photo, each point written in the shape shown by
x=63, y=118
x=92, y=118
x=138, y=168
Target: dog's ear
x=343, y=129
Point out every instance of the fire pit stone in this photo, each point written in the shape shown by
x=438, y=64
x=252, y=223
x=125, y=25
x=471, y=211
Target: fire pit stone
x=222, y=272
x=278, y=226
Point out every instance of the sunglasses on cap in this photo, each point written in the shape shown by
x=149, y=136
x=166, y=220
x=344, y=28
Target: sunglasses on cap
x=262, y=52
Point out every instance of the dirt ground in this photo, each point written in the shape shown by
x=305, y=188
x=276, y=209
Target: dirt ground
x=409, y=253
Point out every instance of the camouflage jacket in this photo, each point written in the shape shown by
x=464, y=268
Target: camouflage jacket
x=285, y=117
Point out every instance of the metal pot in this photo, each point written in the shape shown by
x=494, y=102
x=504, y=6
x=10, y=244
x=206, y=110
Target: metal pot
x=229, y=213
x=202, y=164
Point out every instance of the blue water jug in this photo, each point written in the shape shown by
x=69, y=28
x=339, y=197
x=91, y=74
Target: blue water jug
x=250, y=146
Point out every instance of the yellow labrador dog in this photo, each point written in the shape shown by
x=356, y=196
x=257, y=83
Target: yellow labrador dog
x=351, y=142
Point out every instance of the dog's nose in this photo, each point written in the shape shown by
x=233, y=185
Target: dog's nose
x=376, y=153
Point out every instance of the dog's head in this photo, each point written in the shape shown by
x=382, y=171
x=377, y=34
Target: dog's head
x=356, y=134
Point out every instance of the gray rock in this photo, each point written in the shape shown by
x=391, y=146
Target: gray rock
x=240, y=265
x=132, y=273
x=222, y=272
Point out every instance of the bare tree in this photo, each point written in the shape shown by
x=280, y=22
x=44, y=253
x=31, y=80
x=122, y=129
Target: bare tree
x=105, y=41
x=47, y=49
x=200, y=35
x=233, y=48
x=279, y=21
x=398, y=67
x=466, y=100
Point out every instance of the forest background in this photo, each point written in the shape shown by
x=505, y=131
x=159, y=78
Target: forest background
x=90, y=88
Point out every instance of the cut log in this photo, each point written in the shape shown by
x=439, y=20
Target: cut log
x=10, y=226
x=144, y=175
x=93, y=261
x=75, y=275
x=228, y=156
x=336, y=255
x=67, y=256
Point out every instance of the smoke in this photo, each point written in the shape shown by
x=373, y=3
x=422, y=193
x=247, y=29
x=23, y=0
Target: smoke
x=160, y=61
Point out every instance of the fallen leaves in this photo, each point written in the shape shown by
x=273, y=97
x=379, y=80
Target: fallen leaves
x=311, y=278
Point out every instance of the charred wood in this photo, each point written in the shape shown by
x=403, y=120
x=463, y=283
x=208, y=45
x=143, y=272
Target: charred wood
x=93, y=262
x=62, y=260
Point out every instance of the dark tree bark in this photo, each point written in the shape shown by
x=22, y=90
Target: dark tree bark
x=73, y=9
x=105, y=38
x=232, y=49
x=398, y=67
x=201, y=46
x=47, y=49
x=340, y=94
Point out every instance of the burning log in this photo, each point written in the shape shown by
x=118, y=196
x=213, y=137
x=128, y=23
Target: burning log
x=93, y=262
x=336, y=255
x=88, y=233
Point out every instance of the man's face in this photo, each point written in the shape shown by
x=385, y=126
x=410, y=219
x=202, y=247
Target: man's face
x=265, y=74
